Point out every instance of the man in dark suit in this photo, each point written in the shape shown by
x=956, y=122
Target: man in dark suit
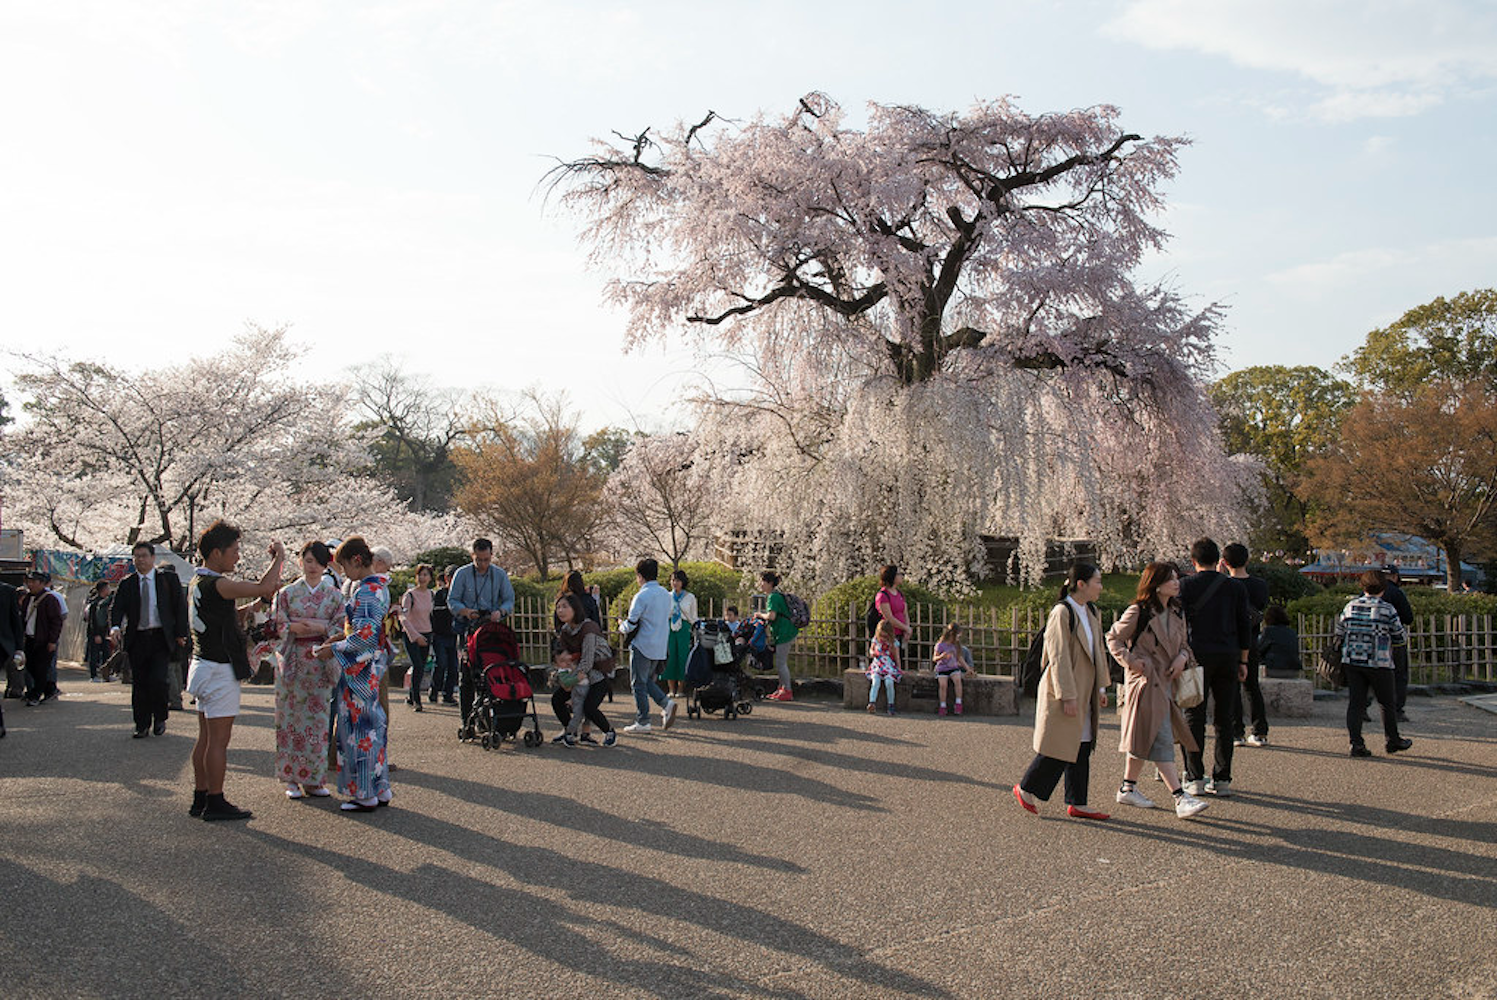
x=152, y=607
x=11, y=634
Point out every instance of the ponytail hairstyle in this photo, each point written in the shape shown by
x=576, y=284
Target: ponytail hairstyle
x=951, y=634
x=1080, y=573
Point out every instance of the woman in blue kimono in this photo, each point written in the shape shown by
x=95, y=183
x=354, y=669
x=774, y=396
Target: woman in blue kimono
x=362, y=722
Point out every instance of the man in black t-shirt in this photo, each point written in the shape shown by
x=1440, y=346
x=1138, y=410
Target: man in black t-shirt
x=217, y=644
x=1216, y=610
x=1234, y=564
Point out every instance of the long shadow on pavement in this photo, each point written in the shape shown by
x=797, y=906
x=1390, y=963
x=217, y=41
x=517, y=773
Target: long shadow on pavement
x=573, y=815
x=546, y=928
x=1370, y=859
x=166, y=956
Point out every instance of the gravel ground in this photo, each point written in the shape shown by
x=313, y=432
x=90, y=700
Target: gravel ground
x=802, y=851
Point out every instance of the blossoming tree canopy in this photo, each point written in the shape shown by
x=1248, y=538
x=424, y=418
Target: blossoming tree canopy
x=941, y=288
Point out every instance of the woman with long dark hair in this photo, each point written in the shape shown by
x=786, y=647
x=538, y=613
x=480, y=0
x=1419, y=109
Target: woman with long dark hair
x=583, y=669
x=308, y=611
x=415, y=621
x=1151, y=642
x=1073, y=689
x=362, y=722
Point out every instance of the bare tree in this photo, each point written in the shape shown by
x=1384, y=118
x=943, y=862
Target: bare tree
x=660, y=496
x=418, y=425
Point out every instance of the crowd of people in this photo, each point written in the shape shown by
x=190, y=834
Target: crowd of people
x=1216, y=622
x=1188, y=646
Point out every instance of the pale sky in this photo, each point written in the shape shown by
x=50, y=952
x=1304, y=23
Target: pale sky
x=368, y=171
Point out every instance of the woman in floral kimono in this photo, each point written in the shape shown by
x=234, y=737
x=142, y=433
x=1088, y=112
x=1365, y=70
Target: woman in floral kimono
x=307, y=612
x=362, y=723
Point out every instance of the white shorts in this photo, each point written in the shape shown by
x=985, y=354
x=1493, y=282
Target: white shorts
x=215, y=687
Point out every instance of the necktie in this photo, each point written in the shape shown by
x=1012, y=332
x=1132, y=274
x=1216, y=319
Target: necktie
x=147, y=603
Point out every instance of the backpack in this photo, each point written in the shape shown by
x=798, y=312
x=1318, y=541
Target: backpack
x=872, y=618
x=1032, y=666
x=800, y=615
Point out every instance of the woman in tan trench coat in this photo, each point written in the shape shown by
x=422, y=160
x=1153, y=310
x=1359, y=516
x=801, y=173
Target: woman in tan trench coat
x=1073, y=689
x=1151, y=643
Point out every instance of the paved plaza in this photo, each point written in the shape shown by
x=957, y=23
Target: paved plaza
x=802, y=851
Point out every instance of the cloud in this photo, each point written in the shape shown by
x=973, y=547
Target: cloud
x=1358, y=267
x=1369, y=59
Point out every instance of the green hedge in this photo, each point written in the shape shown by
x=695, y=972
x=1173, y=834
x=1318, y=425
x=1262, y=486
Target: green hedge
x=442, y=557
x=1423, y=600
x=713, y=584
x=1285, y=583
x=611, y=582
x=829, y=614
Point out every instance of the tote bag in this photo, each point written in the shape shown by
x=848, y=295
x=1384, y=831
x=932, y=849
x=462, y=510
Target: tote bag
x=1190, y=687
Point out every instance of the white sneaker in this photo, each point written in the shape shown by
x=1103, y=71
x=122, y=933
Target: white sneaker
x=1257, y=741
x=1188, y=805
x=672, y=706
x=1133, y=797
x=1221, y=789
x=1195, y=788
x=637, y=727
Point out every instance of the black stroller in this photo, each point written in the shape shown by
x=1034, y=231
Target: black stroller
x=502, y=696
x=715, y=675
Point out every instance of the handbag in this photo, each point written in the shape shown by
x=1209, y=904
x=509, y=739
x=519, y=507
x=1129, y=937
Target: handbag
x=1190, y=687
x=1328, y=665
x=722, y=653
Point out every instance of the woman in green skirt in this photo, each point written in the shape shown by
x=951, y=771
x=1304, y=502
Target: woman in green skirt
x=678, y=647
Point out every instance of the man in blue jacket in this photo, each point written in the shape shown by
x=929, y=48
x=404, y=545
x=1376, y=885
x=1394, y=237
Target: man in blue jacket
x=648, y=622
x=480, y=592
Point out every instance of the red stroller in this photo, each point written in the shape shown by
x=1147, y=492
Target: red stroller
x=502, y=697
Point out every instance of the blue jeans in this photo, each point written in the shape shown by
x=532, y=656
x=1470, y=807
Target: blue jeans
x=642, y=671
x=444, y=672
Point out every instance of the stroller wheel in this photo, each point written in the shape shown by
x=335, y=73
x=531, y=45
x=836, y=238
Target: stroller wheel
x=488, y=744
x=746, y=707
x=532, y=739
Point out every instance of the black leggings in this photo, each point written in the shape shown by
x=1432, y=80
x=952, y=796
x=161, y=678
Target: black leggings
x=561, y=704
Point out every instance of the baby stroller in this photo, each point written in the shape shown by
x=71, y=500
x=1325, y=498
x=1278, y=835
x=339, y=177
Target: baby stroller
x=714, y=673
x=502, y=696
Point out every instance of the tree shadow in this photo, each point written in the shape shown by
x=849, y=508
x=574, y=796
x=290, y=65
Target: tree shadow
x=1408, y=758
x=565, y=812
x=550, y=930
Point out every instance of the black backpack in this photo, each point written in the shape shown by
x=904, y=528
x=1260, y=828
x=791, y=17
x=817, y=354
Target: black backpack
x=872, y=618
x=1032, y=666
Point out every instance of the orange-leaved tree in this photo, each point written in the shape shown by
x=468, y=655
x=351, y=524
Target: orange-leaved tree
x=1424, y=464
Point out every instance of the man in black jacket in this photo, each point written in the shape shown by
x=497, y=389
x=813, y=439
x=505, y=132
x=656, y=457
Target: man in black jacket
x=152, y=606
x=1234, y=564
x=1216, y=611
x=1394, y=595
x=11, y=635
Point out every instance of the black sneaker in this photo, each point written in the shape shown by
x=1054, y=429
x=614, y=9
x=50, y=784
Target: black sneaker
x=223, y=809
x=140, y=734
x=559, y=739
x=610, y=738
x=1402, y=744
x=1360, y=752
x=588, y=739
x=199, y=801
x=159, y=729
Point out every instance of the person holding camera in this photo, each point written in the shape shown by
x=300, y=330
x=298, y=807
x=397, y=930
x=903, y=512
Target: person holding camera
x=480, y=592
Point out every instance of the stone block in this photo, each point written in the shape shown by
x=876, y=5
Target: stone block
x=1288, y=697
x=919, y=692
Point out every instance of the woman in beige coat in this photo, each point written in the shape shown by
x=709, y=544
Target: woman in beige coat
x=1151, y=643
x=1073, y=689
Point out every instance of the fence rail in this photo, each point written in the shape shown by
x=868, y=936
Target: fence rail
x=1443, y=648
